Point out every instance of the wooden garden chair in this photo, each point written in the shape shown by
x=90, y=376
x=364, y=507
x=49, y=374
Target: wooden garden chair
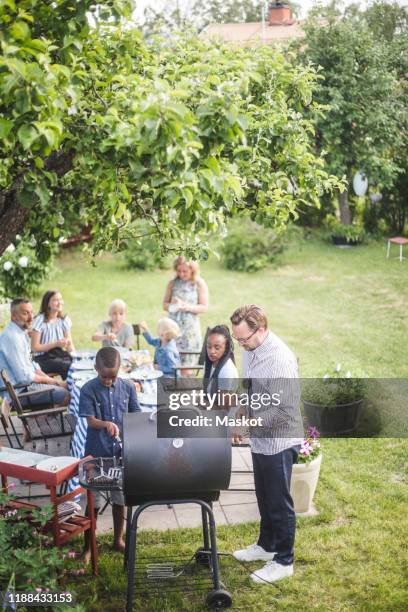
x=40, y=422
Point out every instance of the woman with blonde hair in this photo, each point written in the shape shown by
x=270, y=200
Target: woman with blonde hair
x=185, y=299
x=115, y=331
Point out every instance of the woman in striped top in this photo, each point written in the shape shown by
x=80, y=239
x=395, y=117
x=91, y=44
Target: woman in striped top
x=51, y=341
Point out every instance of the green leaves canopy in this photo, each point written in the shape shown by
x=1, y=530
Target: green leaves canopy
x=99, y=128
x=361, y=91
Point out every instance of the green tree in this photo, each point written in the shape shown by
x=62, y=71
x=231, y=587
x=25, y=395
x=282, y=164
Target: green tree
x=99, y=128
x=389, y=22
x=360, y=129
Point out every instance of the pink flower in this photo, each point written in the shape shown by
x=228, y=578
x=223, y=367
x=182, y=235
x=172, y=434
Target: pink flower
x=38, y=589
x=12, y=485
x=72, y=554
x=29, y=581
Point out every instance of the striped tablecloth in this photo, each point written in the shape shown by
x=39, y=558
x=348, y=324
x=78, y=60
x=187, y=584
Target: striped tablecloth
x=149, y=388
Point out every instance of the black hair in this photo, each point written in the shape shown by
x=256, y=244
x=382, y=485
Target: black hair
x=222, y=330
x=107, y=357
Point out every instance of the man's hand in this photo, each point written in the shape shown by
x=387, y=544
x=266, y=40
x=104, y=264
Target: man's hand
x=111, y=336
x=112, y=429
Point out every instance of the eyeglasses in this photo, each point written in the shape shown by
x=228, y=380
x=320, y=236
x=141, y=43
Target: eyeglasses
x=244, y=340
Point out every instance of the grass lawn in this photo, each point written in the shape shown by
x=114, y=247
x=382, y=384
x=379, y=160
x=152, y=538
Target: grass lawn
x=330, y=305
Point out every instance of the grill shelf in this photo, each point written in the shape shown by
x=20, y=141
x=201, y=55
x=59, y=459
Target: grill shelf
x=168, y=574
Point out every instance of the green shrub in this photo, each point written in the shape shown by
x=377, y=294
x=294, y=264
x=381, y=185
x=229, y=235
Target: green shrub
x=248, y=247
x=21, y=270
x=26, y=559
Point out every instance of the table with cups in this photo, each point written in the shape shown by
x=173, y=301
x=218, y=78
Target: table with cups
x=83, y=369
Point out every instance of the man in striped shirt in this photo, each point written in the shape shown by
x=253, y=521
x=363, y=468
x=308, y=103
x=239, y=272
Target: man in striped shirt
x=271, y=369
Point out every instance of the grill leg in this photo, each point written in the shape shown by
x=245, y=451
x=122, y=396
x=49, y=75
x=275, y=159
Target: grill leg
x=131, y=561
x=214, y=555
x=127, y=535
x=206, y=539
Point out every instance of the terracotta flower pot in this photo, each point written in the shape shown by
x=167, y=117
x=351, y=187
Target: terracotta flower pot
x=304, y=483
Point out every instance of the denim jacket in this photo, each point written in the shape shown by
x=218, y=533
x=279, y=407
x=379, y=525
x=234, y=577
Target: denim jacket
x=167, y=356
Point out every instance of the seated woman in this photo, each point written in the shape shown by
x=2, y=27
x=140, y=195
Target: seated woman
x=115, y=331
x=166, y=355
x=220, y=372
x=51, y=341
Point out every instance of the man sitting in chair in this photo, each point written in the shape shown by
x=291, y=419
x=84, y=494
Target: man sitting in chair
x=15, y=358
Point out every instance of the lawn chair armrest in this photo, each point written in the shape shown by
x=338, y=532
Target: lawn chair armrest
x=36, y=413
x=21, y=386
x=34, y=393
x=189, y=366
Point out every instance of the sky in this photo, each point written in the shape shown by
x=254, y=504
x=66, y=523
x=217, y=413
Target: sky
x=305, y=4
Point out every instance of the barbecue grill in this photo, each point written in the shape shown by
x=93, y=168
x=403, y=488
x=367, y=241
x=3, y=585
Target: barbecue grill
x=159, y=471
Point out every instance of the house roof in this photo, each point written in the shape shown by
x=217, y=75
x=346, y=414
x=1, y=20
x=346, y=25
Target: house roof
x=250, y=34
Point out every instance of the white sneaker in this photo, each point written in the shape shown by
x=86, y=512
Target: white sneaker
x=253, y=552
x=272, y=572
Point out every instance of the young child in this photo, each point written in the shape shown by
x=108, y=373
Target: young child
x=103, y=401
x=166, y=354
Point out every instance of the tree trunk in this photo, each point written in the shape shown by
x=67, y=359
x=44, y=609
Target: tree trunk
x=12, y=219
x=345, y=213
x=13, y=215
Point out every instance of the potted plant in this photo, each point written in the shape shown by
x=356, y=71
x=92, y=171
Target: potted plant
x=305, y=473
x=333, y=403
x=344, y=235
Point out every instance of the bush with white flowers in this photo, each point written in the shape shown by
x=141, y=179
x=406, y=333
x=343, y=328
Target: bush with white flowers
x=21, y=272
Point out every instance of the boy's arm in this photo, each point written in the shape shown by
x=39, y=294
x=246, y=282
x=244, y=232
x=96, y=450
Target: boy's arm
x=149, y=338
x=133, y=405
x=111, y=428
